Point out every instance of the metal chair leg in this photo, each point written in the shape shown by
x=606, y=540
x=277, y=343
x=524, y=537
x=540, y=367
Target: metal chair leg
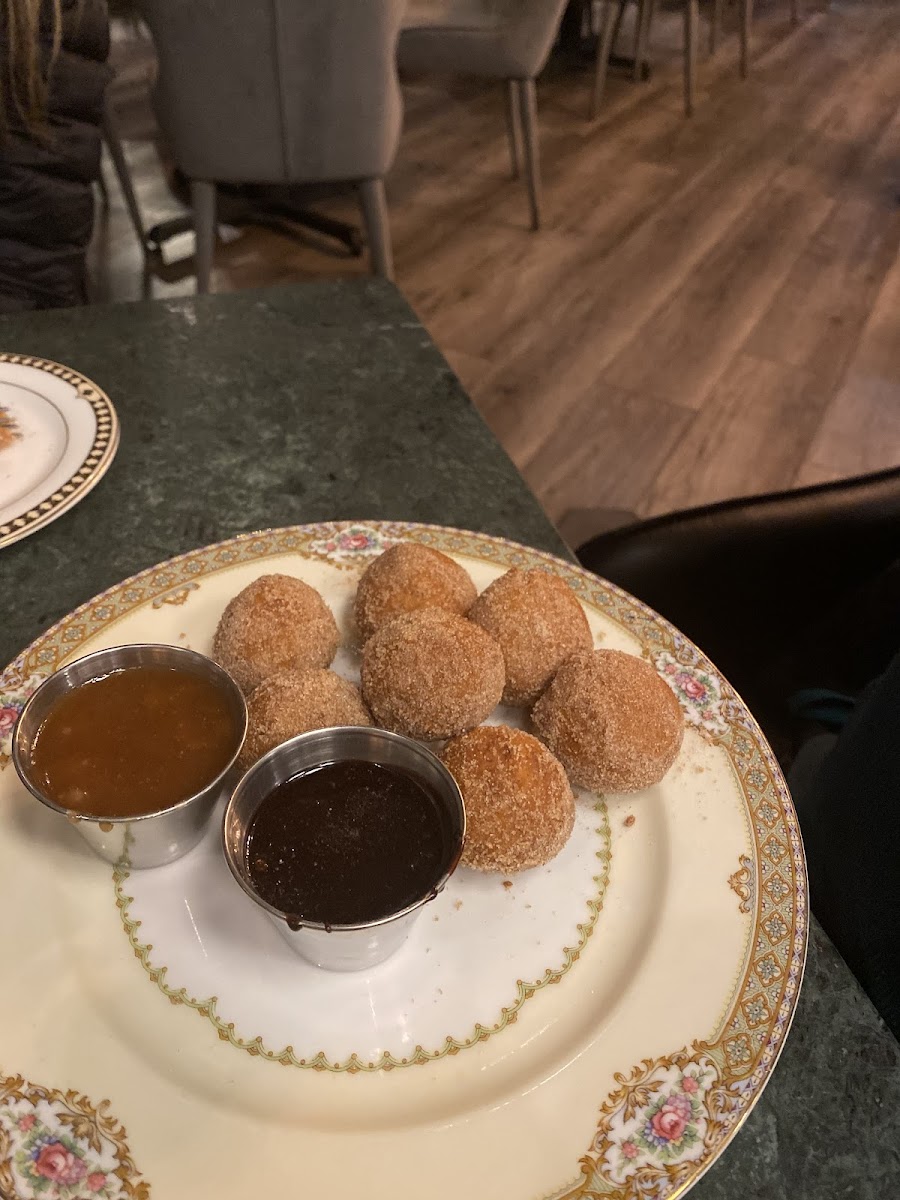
x=746, y=20
x=203, y=202
x=646, y=9
x=375, y=215
x=528, y=112
x=120, y=163
x=691, y=27
x=715, y=25
x=795, y=12
x=604, y=46
x=513, y=128
x=640, y=15
x=618, y=25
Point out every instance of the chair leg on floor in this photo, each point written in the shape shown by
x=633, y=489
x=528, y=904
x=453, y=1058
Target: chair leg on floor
x=715, y=25
x=513, y=128
x=528, y=111
x=641, y=31
x=623, y=4
x=640, y=10
x=646, y=10
x=203, y=202
x=795, y=12
x=691, y=26
x=604, y=46
x=746, y=19
x=375, y=215
x=120, y=164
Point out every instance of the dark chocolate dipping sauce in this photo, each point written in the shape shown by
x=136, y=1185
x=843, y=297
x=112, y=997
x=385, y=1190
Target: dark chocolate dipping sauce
x=347, y=843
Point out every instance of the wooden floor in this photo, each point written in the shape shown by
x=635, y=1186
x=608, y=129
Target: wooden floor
x=713, y=306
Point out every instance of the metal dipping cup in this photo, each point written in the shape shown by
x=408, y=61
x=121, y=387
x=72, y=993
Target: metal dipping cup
x=344, y=947
x=158, y=837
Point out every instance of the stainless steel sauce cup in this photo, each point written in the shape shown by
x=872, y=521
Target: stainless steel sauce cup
x=343, y=947
x=158, y=837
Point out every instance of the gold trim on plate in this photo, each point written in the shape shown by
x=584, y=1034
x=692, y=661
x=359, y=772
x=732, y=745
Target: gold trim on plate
x=354, y=1063
x=89, y=473
x=683, y=1108
x=741, y=882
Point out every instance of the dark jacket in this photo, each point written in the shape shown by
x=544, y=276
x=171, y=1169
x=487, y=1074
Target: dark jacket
x=46, y=197
x=851, y=823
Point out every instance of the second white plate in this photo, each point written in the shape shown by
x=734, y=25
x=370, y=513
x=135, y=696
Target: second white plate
x=58, y=435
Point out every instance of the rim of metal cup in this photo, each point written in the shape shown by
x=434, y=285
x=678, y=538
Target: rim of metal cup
x=282, y=749
x=18, y=750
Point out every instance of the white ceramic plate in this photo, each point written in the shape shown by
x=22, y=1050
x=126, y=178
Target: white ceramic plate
x=601, y=1027
x=58, y=436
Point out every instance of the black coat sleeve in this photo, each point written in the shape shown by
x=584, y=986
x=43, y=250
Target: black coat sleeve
x=46, y=199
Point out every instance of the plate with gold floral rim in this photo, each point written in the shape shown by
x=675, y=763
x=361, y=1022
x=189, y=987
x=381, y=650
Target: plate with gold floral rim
x=599, y=1027
x=58, y=435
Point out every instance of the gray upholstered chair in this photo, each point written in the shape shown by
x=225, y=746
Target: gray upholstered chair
x=494, y=39
x=279, y=92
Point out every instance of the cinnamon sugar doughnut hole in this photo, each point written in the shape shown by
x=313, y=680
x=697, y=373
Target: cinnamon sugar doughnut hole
x=296, y=701
x=407, y=577
x=519, y=806
x=277, y=621
x=539, y=623
x=431, y=674
x=615, y=725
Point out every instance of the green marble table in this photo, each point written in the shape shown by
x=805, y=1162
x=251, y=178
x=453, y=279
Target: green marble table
x=327, y=401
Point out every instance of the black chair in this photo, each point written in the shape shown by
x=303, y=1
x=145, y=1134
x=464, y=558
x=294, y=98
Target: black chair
x=784, y=591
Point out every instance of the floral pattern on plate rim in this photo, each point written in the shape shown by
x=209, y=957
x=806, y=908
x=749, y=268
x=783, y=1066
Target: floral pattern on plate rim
x=11, y=704
x=765, y=998
x=698, y=690
x=353, y=543
x=59, y=1146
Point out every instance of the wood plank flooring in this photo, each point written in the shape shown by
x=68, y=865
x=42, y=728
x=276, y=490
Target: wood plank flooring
x=713, y=306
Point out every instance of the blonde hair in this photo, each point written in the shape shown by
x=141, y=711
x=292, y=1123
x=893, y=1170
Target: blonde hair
x=24, y=77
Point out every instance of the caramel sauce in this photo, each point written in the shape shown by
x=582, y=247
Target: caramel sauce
x=133, y=742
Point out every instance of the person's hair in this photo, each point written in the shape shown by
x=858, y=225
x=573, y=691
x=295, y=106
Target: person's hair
x=28, y=25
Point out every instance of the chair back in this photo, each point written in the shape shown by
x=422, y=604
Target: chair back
x=492, y=39
x=278, y=91
x=755, y=581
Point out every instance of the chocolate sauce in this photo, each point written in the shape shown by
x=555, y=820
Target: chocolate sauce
x=346, y=843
